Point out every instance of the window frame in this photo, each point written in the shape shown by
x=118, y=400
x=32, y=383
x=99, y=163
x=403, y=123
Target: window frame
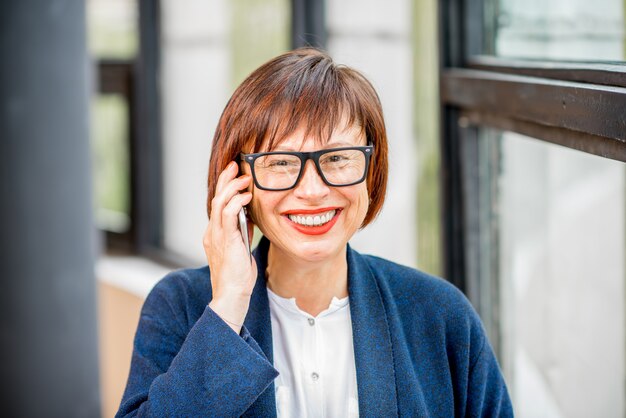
x=115, y=76
x=146, y=150
x=137, y=80
x=575, y=104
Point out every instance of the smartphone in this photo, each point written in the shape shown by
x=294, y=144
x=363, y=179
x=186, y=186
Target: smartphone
x=243, y=227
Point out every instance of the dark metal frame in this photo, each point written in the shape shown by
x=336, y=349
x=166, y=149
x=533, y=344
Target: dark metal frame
x=579, y=105
x=452, y=55
x=147, y=150
x=117, y=77
x=308, y=23
x=137, y=80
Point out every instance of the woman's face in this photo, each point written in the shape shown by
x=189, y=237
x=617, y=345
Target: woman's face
x=281, y=214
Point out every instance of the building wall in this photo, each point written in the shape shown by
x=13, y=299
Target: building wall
x=195, y=86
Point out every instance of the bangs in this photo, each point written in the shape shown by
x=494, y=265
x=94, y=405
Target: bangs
x=318, y=126
x=319, y=99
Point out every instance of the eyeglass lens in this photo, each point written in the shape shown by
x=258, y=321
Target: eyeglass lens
x=279, y=171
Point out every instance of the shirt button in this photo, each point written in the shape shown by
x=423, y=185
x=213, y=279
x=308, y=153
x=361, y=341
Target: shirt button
x=315, y=376
x=311, y=321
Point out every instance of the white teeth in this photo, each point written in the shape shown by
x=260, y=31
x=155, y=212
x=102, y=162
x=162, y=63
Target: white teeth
x=315, y=220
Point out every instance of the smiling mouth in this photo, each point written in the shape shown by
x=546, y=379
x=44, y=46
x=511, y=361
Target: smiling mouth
x=312, y=220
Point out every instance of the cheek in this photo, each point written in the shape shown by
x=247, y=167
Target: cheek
x=260, y=208
x=365, y=202
x=361, y=203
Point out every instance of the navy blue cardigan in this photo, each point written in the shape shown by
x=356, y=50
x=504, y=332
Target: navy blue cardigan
x=420, y=349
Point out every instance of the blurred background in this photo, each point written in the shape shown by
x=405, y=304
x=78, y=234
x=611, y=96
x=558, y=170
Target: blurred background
x=507, y=130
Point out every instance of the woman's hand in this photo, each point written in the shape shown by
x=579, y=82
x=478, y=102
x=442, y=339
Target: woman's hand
x=233, y=273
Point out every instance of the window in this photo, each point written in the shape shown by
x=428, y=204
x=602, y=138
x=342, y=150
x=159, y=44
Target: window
x=123, y=37
x=113, y=39
x=533, y=98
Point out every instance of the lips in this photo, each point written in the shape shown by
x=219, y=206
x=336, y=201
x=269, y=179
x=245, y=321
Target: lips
x=313, y=222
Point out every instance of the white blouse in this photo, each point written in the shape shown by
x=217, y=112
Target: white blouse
x=315, y=359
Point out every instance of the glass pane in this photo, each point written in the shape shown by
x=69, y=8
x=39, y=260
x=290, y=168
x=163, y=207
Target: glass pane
x=112, y=28
x=560, y=29
x=559, y=241
x=261, y=30
x=111, y=162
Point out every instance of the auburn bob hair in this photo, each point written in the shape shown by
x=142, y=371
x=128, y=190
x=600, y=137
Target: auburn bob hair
x=301, y=88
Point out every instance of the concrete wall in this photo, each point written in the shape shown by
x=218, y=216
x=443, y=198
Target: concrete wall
x=375, y=38
x=195, y=83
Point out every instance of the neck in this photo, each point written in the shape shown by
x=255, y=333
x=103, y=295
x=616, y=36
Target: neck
x=312, y=284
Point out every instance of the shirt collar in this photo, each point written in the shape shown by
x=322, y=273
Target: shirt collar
x=290, y=305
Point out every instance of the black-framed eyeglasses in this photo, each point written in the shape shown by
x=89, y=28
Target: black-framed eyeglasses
x=282, y=170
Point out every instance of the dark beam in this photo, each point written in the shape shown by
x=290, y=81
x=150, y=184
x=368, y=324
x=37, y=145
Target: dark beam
x=591, y=109
x=308, y=23
x=452, y=53
x=146, y=148
x=597, y=145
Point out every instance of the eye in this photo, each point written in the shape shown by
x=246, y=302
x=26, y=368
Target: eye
x=284, y=162
x=279, y=163
x=336, y=158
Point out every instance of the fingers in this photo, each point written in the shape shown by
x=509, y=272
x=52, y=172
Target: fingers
x=228, y=228
x=229, y=173
x=227, y=188
x=231, y=211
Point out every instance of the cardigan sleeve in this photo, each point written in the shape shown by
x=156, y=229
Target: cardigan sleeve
x=209, y=371
x=488, y=395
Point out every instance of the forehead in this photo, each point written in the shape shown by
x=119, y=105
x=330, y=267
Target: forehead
x=342, y=136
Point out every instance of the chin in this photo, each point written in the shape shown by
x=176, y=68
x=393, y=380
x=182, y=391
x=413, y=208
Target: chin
x=314, y=251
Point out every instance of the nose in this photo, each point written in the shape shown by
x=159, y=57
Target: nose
x=311, y=186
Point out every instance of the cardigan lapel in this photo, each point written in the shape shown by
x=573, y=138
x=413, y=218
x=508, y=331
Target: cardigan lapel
x=259, y=325
x=376, y=383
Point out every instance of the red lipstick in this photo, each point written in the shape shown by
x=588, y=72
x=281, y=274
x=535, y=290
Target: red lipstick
x=312, y=230
x=309, y=211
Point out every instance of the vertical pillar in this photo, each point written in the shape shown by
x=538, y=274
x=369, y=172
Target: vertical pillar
x=308, y=23
x=47, y=287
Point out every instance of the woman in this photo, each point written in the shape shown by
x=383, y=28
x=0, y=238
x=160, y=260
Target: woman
x=308, y=326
